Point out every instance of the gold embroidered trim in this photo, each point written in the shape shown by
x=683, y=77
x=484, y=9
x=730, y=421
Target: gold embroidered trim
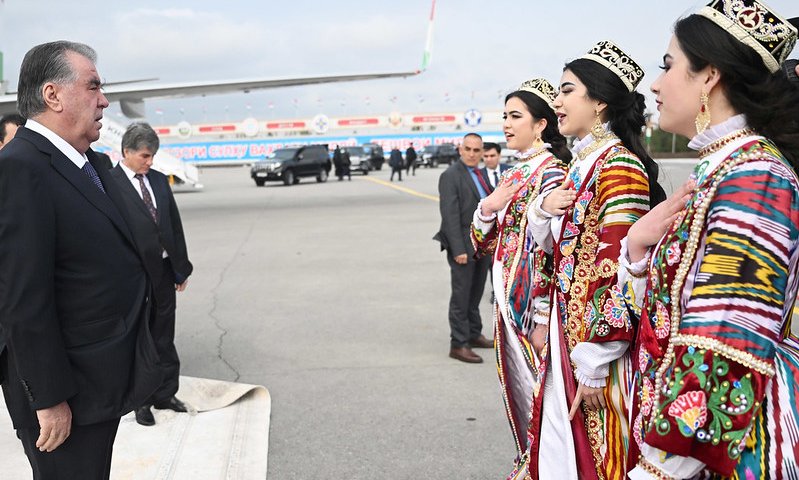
x=652, y=470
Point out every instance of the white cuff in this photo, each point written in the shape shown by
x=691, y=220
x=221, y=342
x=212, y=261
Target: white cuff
x=637, y=269
x=484, y=224
x=592, y=360
x=588, y=381
x=674, y=466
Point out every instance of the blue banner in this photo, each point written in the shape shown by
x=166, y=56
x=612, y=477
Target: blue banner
x=247, y=151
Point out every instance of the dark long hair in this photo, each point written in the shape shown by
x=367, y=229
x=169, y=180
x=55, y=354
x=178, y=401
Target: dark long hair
x=625, y=112
x=769, y=101
x=539, y=109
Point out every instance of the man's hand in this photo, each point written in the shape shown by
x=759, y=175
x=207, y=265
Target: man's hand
x=55, y=425
x=594, y=398
x=462, y=259
x=500, y=197
x=649, y=229
x=560, y=199
x=539, y=337
x=179, y=287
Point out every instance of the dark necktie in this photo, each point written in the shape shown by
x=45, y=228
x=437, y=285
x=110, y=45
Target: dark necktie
x=89, y=170
x=145, y=195
x=496, y=179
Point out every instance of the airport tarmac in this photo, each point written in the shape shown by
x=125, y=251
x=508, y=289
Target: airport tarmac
x=334, y=297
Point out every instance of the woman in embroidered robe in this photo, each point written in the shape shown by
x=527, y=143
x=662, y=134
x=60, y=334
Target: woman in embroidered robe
x=520, y=272
x=715, y=267
x=582, y=414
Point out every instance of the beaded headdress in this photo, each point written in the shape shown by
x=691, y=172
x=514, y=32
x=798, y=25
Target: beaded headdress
x=540, y=88
x=610, y=56
x=754, y=24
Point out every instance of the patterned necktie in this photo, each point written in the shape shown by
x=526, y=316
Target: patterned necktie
x=145, y=195
x=89, y=170
x=496, y=179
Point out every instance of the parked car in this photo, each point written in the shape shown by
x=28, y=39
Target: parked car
x=291, y=164
x=359, y=160
x=433, y=155
x=375, y=153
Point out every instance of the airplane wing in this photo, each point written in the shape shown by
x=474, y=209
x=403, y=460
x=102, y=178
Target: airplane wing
x=131, y=97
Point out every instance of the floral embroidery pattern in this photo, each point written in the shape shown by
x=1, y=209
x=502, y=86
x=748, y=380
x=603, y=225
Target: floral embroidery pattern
x=615, y=310
x=673, y=253
x=580, y=207
x=708, y=419
x=690, y=411
x=663, y=323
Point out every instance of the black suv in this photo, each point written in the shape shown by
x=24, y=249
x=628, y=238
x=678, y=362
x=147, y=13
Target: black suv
x=290, y=164
x=433, y=155
x=375, y=154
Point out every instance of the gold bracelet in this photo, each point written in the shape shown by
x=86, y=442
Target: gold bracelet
x=652, y=470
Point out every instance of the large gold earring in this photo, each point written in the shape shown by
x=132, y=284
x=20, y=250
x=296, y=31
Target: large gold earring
x=598, y=130
x=703, y=118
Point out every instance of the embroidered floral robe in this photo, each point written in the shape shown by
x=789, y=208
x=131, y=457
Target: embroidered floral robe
x=590, y=328
x=520, y=273
x=717, y=368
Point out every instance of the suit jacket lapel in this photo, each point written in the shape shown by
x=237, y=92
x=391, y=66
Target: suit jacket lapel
x=127, y=189
x=485, y=181
x=467, y=177
x=81, y=182
x=160, y=195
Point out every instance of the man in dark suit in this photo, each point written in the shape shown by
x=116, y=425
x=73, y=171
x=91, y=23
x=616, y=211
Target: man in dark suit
x=155, y=222
x=459, y=192
x=73, y=290
x=492, y=170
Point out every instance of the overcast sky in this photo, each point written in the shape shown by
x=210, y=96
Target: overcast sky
x=479, y=52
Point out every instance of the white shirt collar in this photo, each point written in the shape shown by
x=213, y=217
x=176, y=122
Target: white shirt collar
x=736, y=122
x=581, y=143
x=79, y=159
x=130, y=173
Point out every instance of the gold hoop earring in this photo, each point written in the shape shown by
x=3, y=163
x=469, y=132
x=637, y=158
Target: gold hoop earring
x=598, y=130
x=703, y=117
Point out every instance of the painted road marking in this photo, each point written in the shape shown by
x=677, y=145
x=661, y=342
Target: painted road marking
x=401, y=189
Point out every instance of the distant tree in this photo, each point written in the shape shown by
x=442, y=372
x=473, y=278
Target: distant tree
x=661, y=142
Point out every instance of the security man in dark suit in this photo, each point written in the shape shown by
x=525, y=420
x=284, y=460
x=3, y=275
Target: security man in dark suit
x=459, y=192
x=74, y=294
x=157, y=229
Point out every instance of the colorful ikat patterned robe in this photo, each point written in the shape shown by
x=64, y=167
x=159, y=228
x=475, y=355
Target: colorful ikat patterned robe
x=717, y=374
x=589, y=307
x=521, y=273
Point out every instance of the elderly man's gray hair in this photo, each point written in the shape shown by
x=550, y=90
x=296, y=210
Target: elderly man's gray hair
x=140, y=135
x=43, y=64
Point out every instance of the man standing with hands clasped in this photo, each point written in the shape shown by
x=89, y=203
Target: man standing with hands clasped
x=155, y=222
x=73, y=290
x=460, y=190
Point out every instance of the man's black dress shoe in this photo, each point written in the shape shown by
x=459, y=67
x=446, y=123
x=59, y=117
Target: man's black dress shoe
x=144, y=416
x=171, y=404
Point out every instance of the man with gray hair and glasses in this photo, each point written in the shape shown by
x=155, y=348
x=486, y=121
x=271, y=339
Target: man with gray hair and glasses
x=74, y=294
x=157, y=230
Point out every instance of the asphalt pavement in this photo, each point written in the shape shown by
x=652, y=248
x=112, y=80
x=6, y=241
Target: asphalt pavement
x=334, y=296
